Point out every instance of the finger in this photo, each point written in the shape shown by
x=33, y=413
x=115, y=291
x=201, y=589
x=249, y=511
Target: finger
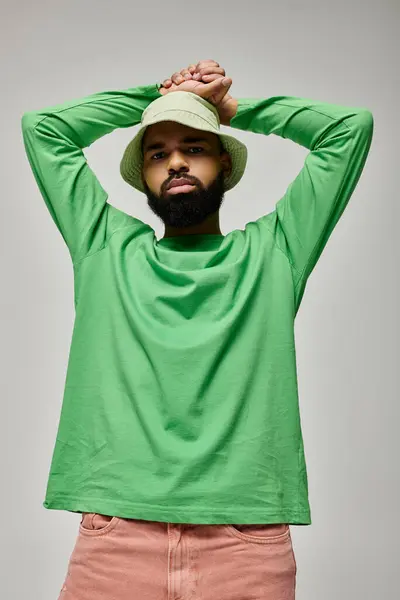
x=211, y=77
x=192, y=69
x=221, y=89
x=186, y=74
x=212, y=70
x=206, y=63
x=177, y=78
x=215, y=91
x=166, y=82
x=206, y=68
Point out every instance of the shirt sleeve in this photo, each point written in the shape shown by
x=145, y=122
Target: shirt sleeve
x=54, y=138
x=339, y=140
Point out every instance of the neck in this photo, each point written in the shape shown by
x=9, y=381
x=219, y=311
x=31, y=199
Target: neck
x=210, y=226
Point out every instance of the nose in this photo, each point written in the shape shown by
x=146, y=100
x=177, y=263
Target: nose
x=177, y=162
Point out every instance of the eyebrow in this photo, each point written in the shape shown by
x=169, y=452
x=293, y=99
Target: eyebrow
x=187, y=140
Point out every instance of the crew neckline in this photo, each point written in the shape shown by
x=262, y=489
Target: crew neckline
x=190, y=236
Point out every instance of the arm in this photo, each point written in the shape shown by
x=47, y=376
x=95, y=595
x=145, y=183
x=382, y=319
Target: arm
x=339, y=140
x=53, y=140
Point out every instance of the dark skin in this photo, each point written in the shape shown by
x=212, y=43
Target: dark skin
x=202, y=167
x=205, y=79
x=204, y=163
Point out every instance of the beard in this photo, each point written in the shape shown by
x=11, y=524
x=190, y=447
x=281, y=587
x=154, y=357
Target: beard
x=187, y=208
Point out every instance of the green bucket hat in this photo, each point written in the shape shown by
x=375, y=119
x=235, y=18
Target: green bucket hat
x=191, y=110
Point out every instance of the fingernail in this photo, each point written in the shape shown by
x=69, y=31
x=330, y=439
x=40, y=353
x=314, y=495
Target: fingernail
x=225, y=82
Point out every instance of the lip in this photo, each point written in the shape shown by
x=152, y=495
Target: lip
x=179, y=182
x=180, y=189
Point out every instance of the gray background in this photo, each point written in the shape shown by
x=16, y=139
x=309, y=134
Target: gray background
x=347, y=327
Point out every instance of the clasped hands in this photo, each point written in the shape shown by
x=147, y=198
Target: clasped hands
x=206, y=80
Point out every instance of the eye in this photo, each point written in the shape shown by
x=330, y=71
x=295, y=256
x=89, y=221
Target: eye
x=196, y=148
x=191, y=148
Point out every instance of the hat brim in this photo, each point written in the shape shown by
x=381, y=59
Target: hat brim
x=132, y=160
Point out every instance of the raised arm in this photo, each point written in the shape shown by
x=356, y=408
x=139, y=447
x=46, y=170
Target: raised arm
x=339, y=140
x=54, y=138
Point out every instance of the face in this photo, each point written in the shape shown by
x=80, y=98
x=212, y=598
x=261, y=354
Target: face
x=171, y=151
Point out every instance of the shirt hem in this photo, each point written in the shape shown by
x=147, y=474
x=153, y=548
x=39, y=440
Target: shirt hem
x=178, y=514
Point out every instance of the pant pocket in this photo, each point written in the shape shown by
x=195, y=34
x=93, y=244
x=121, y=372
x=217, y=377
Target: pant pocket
x=264, y=530
x=97, y=523
x=261, y=533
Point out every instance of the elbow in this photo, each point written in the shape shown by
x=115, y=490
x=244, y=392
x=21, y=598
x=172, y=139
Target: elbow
x=363, y=126
x=28, y=120
x=366, y=119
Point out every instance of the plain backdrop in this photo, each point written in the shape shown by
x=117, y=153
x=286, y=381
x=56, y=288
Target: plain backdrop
x=347, y=328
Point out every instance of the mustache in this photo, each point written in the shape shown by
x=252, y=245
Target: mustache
x=190, y=180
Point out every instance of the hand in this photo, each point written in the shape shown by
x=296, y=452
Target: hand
x=205, y=80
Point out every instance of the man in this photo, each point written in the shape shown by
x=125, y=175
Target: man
x=179, y=439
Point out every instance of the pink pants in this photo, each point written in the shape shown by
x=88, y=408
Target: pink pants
x=116, y=558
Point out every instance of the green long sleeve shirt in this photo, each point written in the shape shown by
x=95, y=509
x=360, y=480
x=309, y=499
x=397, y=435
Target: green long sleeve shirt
x=181, y=399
